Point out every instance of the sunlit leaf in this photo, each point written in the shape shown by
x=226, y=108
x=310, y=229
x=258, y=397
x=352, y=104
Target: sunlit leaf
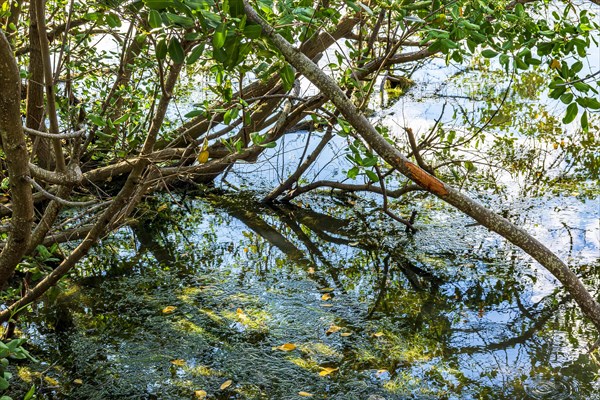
x=305, y=394
x=345, y=334
x=327, y=370
x=326, y=297
x=226, y=384
x=287, y=347
x=168, y=309
x=179, y=362
x=200, y=394
x=378, y=334
x=78, y=381
x=333, y=329
x=203, y=157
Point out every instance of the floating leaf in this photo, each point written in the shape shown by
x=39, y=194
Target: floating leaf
x=326, y=305
x=226, y=384
x=326, y=297
x=287, y=347
x=378, y=334
x=305, y=394
x=333, y=329
x=168, y=309
x=327, y=370
x=345, y=334
x=200, y=394
x=381, y=372
x=179, y=362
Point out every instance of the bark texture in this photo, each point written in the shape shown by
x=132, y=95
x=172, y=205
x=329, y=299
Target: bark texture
x=14, y=147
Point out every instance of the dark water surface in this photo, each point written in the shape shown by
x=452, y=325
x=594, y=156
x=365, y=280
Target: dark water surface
x=212, y=289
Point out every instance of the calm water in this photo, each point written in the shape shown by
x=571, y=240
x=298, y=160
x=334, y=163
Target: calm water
x=212, y=289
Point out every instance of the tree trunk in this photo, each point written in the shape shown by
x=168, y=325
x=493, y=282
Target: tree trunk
x=17, y=161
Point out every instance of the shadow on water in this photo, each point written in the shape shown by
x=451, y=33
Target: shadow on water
x=208, y=291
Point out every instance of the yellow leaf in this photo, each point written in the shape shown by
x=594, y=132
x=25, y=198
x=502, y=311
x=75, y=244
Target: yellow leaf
x=226, y=384
x=162, y=208
x=78, y=382
x=332, y=329
x=287, y=347
x=326, y=297
x=555, y=64
x=311, y=270
x=200, y=394
x=239, y=311
x=345, y=334
x=378, y=334
x=205, y=144
x=179, y=362
x=168, y=309
x=203, y=156
x=381, y=372
x=326, y=371
x=305, y=394
x=555, y=145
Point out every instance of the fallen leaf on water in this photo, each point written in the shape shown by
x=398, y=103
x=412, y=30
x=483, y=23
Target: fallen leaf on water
x=179, y=362
x=326, y=297
x=226, y=384
x=305, y=394
x=327, y=370
x=333, y=329
x=378, y=334
x=381, y=372
x=345, y=334
x=326, y=305
x=168, y=309
x=287, y=347
x=200, y=394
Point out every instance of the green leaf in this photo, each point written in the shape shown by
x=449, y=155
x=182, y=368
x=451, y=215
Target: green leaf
x=158, y=4
x=372, y=176
x=353, y=172
x=489, y=53
x=220, y=35
x=161, y=49
x=113, y=20
x=287, y=76
x=252, y=31
x=236, y=8
x=567, y=98
x=154, y=19
x=97, y=120
x=195, y=53
x=185, y=22
x=30, y=393
x=571, y=113
x=584, y=121
x=176, y=51
x=269, y=145
x=3, y=383
x=194, y=113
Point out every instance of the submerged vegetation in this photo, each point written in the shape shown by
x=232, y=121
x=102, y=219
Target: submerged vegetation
x=257, y=199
